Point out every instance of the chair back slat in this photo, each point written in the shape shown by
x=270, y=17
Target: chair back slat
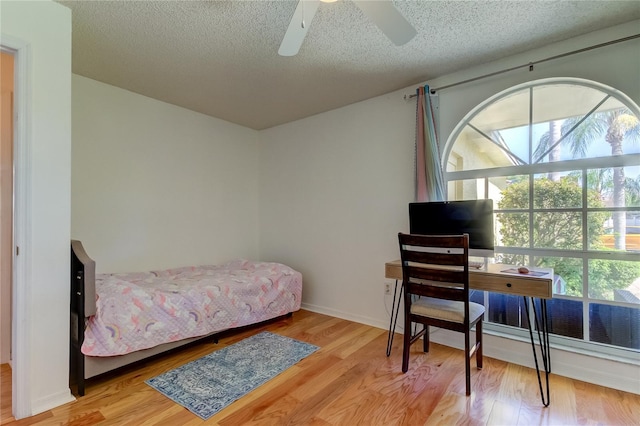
x=443, y=241
x=440, y=292
x=437, y=258
x=435, y=274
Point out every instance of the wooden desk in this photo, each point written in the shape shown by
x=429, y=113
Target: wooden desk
x=492, y=278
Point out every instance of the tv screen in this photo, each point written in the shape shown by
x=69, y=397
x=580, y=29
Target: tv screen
x=473, y=217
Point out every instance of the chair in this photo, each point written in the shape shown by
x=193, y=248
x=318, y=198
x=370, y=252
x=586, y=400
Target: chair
x=435, y=277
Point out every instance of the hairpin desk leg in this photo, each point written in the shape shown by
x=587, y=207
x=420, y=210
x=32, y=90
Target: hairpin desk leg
x=542, y=327
x=395, y=308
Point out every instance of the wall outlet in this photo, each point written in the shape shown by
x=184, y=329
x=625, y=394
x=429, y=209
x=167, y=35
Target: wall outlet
x=387, y=288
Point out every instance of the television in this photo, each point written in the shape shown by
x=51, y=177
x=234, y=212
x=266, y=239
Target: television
x=473, y=217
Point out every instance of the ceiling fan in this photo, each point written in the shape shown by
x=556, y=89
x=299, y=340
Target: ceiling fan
x=382, y=12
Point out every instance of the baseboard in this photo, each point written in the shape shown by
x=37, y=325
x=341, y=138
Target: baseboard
x=347, y=316
x=564, y=362
x=55, y=400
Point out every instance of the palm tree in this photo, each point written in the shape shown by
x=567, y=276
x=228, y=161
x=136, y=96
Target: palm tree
x=601, y=182
x=632, y=188
x=549, y=144
x=615, y=125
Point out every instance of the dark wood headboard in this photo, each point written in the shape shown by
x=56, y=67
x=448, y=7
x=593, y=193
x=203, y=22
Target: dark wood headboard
x=83, y=305
x=83, y=281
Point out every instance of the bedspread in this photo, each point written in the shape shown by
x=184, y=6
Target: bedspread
x=141, y=310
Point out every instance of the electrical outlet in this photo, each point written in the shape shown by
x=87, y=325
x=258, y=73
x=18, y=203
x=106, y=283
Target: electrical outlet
x=387, y=288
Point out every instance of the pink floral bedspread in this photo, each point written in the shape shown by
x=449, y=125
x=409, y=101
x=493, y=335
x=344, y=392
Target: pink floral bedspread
x=141, y=310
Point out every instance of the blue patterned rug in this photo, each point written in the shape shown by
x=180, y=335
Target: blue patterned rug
x=207, y=385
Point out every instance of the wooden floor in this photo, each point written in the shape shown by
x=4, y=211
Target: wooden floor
x=349, y=381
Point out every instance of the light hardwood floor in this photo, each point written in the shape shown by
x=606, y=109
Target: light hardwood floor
x=349, y=381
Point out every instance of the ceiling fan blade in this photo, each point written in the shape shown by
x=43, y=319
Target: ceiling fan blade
x=293, y=38
x=385, y=15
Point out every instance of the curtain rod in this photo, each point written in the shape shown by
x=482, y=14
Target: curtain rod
x=530, y=64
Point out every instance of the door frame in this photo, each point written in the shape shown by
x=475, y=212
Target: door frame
x=22, y=144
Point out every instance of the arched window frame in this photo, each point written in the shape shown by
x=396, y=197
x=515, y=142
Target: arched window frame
x=545, y=167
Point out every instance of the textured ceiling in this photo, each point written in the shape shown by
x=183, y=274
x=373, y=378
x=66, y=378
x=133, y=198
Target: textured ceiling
x=220, y=57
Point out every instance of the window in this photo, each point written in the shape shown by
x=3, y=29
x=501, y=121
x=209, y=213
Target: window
x=561, y=160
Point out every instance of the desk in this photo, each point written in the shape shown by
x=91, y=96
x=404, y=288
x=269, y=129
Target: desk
x=492, y=277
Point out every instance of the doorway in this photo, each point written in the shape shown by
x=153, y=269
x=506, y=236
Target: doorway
x=6, y=225
x=6, y=202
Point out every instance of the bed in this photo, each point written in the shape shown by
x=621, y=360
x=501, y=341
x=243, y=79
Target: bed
x=119, y=319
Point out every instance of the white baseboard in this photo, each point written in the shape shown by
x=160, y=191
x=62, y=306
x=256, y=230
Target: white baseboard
x=347, y=316
x=55, y=400
x=564, y=362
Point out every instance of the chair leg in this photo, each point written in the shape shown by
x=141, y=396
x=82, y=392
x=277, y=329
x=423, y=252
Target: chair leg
x=406, y=345
x=467, y=362
x=479, y=343
x=425, y=339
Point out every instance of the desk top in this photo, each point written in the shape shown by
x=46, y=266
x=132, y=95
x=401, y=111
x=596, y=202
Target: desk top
x=496, y=278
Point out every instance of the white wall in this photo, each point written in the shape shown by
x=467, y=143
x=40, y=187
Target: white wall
x=156, y=186
x=44, y=31
x=334, y=187
x=334, y=190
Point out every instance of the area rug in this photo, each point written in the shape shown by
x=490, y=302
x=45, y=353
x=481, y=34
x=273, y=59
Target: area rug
x=207, y=385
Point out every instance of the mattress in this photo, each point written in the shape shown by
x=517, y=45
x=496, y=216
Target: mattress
x=138, y=311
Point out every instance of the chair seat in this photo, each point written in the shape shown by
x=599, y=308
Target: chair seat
x=446, y=310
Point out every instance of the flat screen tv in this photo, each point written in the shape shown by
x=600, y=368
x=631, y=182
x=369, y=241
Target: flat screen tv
x=473, y=217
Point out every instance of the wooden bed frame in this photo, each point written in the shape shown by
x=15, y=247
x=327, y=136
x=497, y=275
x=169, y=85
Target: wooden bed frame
x=83, y=306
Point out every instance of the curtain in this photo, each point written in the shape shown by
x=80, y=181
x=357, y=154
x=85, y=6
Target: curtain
x=429, y=178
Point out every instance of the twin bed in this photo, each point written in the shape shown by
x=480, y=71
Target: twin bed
x=118, y=319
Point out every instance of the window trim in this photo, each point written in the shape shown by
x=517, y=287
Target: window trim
x=532, y=169
x=622, y=97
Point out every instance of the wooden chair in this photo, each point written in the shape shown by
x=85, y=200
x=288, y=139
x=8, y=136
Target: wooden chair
x=435, y=271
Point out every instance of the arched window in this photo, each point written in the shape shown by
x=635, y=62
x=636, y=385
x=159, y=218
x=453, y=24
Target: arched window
x=561, y=160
